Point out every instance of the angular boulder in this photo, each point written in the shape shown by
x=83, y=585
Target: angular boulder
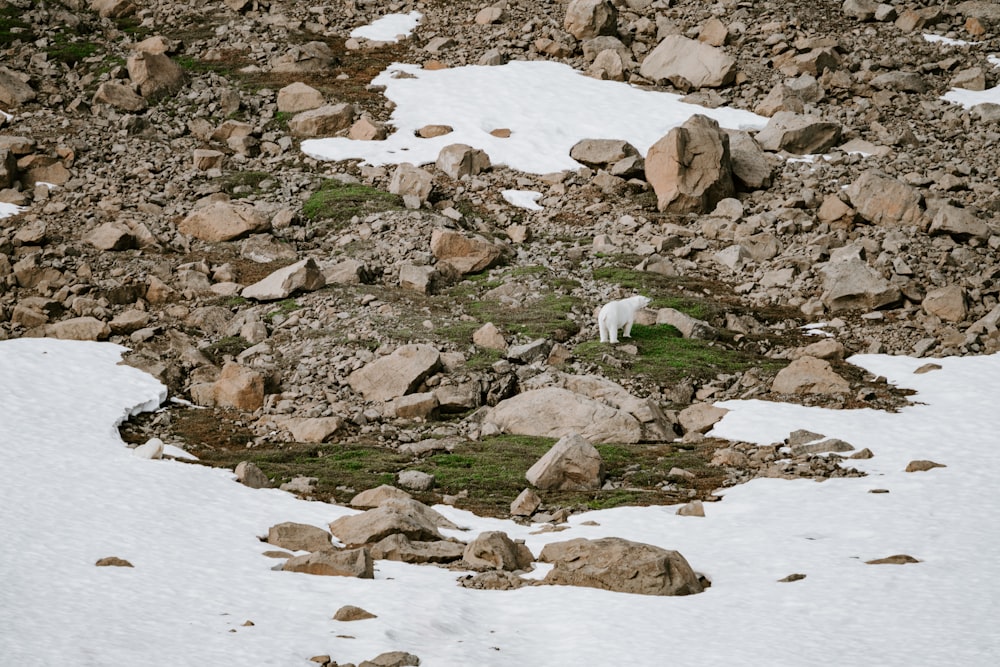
x=494, y=550
x=461, y=160
x=222, y=221
x=400, y=548
x=946, y=302
x=809, y=375
x=323, y=121
x=883, y=200
x=688, y=64
x=465, y=254
x=852, y=284
x=590, y=18
x=394, y=516
x=297, y=97
x=798, y=134
x=554, y=412
x=347, y=563
x=303, y=276
x=396, y=374
x=238, y=387
x=572, y=464
x=154, y=74
x=616, y=564
x=690, y=168
x=298, y=537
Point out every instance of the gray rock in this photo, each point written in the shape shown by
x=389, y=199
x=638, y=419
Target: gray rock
x=808, y=375
x=590, y=18
x=798, y=134
x=346, y=563
x=396, y=374
x=248, y=474
x=460, y=160
x=303, y=276
x=298, y=537
x=688, y=64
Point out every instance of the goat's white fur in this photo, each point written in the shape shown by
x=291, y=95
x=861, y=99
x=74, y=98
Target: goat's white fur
x=617, y=315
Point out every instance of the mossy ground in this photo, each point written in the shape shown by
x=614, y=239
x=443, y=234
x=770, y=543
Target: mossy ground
x=491, y=471
x=335, y=203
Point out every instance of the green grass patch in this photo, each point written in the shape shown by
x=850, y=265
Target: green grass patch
x=661, y=289
x=228, y=346
x=338, y=202
x=666, y=357
x=547, y=317
x=244, y=183
x=12, y=28
x=285, y=308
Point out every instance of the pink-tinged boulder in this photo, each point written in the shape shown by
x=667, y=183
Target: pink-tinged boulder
x=690, y=168
x=238, y=387
x=689, y=64
x=572, y=464
x=223, y=221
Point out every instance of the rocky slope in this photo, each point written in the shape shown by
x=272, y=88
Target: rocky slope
x=154, y=148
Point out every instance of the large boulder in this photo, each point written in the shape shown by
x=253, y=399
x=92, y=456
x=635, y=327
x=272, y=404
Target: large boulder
x=399, y=547
x=119, y=96
x=959, y=223
x=155, y=74
x=462, y=160
x=465, y=254
x=79, y=328
x=590, y=18
x=494, y=550
x=809, y=375
x=303, y=276
x=689, y=64
x=554, y=412
x=798, y=134
x=298, y=537
x=946, y=302
x=14, y=91
x=851, y=284
x=347, y=563
x=616, y=564
x=238, y=387
x=374, y=497
x=883, y=200
x=323, y=121
x=296, y=97
x=223, y=221
x=396, y=374
x=411, y=183
x=690, y=168
x=394, y=516
x=572, y=464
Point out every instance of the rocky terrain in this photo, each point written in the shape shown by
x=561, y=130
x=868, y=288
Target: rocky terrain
x=341, y=326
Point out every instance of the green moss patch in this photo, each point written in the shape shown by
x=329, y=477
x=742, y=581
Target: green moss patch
x=337, y=202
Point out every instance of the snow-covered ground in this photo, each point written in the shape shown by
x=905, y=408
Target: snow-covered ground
x=547, y=106
x=389, y=28
x=74, y=493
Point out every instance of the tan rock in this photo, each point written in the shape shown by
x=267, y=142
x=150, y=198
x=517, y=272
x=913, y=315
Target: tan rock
x=590, y=18
x=526, y=503
x=323, y=121
x=223, y=221
x=700, y=417
x=204, y=159
x=375, y=497
x=128, y=321
x=883, y=200
x=365, y=129
x=798, y=134
x=461, y=160
x=554, y=412
x=297, y=97
x=494, y=550
x=395, y=515
x=113, y=561
x=809, y=375
x=898, y=559
x=690, y=168
x=400, y=548
x=348, y=563
x=351, y=613
x=688, y=64
x=411, y=183
x=693, y=508
x=113, y=9
x=303, y=276
x=312, y=429
x=431, y=131
x=111, y=236
x=572, y=464
x=419, y=406
x=489, y=336
x=155, y=74
x=923, y=465
x=946, y=302
x=248, y=474
x=79, y=328
x=616, y=564
x=465, y=254
x=396, y=374
x=238, y=387
x=119, y=96
x=298, y=537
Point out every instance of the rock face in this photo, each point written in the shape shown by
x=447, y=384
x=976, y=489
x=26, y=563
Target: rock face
x=348, y=563
x=304, y=276
x=690, y=168
x=572, y=464
x=396, y=374
x=222, y=221
x=616, y=564
x=689, y=64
